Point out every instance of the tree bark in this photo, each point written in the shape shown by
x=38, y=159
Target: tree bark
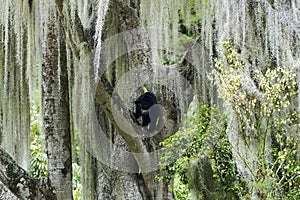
x=20, y=182
x=139, y=54
x=56, y=110
x=56, y=103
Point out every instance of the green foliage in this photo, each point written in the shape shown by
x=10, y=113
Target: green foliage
x=188, y=30
x=76, y=168
x=180, y=189
x=189, y=18
x=185, y=145
x=230, y=184
x=266, y=110
x=265, y=107
x=284, y=173
x=204, y=134
x=38, y=160
x=76, y=182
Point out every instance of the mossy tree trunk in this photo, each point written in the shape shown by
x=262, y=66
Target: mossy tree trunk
x=55, y=99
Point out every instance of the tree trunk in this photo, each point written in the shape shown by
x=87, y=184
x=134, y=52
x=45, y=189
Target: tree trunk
x=56, y=110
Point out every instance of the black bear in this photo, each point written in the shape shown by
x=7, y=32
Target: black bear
x=145, y=107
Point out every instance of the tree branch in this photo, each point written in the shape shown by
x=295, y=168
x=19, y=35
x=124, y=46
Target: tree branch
x=103, y=97
x=79, y=28
x=20, y=182
x=141, y=56
x=137, y=39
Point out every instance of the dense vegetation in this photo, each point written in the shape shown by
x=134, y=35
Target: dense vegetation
x=268, y=114
x=225, y=74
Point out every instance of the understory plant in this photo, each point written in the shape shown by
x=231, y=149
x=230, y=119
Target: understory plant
x=38, y=155
x=197, y=160
x=264, y=103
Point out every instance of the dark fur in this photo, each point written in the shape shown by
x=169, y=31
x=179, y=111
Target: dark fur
x=144, y=108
